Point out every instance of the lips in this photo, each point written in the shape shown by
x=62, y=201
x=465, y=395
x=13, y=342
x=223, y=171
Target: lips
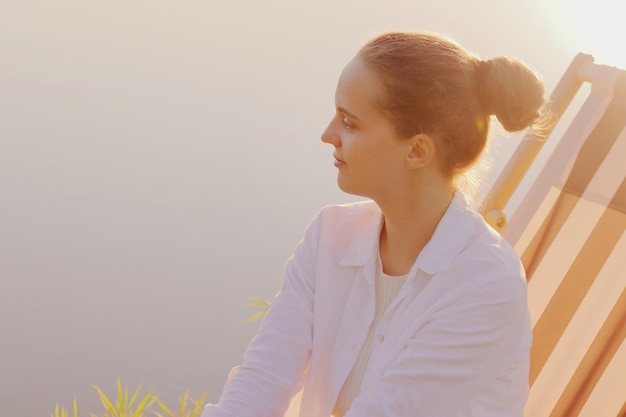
x=339, y=162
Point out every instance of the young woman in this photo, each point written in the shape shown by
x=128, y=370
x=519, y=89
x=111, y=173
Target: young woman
x=406, y=304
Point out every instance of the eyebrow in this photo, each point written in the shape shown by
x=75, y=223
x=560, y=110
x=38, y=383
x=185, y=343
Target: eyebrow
x=346, y=112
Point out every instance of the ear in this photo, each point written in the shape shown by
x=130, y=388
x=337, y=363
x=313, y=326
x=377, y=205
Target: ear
x=422, y=151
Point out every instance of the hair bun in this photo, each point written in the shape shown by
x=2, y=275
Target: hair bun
x=510, y=90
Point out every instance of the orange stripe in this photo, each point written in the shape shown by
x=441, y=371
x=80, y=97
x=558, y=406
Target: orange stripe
x=588, y=160
x=549, y=229
x=575, y=284
x=593, y=365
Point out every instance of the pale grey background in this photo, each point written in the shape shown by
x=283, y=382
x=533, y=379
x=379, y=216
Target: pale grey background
x=159, y=160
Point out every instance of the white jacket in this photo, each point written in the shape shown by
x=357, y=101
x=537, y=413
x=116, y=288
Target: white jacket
x=454, y=342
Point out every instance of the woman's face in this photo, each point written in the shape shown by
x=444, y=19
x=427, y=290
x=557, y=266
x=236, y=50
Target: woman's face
x=369, y=154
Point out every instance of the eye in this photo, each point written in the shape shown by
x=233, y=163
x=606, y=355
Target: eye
x=346, y=123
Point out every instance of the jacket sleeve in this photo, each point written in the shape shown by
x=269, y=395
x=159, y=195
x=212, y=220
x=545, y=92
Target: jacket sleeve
x=275, y=361
x=448, y=361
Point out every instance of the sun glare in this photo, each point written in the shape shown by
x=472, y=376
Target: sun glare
x=596, y=27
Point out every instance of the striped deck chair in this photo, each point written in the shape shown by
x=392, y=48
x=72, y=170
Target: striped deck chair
x=569, y=232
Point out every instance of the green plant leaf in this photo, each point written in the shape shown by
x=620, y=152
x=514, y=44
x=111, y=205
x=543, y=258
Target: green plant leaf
x=106, y=403
x=183, y=403
x=134, y=396
x=126, y=406
x=120, y=411
x=146, y=402
x=59, y=413
x=164, y=408
x=256, y=316
x=123, y=406
x=198, y=406
x=258, y=303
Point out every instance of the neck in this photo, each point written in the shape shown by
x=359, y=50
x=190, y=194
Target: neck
x=409, y=224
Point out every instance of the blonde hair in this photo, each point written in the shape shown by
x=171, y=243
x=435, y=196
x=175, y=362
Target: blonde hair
x=435, y=86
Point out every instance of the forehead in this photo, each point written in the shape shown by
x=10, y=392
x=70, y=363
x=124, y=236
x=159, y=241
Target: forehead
x=359, y=89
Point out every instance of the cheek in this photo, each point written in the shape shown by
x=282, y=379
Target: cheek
x=358, y=153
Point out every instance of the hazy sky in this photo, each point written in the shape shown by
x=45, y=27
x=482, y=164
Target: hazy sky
x=160, y=159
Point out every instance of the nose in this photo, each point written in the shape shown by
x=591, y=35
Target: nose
x=330, y=135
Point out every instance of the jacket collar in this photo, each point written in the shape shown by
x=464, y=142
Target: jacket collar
x=452, y=234
x=364, y=247
x=450, y=237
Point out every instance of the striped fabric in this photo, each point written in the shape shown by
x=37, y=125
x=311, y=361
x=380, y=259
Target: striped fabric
x=569, y=232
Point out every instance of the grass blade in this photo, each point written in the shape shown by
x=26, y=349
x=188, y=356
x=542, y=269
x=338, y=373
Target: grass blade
x=106, y=403
x=183, y=403
x=261, y=303
x=146, y=402
x=134, y=397
x=199, y=404
x=164, y=408
x=119, y=398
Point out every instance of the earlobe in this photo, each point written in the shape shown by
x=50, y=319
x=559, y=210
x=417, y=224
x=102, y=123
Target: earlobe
x=422, y=152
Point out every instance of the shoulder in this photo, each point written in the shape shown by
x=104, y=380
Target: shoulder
x=488, y=245
x=489, y=260
x=340, y=229
x=486, y=276
x=467, y=248
x=470, y=253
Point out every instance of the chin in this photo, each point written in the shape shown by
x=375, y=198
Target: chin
x=348, y=188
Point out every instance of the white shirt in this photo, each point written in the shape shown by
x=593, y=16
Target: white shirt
x=387, y=288
x=454, y=342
